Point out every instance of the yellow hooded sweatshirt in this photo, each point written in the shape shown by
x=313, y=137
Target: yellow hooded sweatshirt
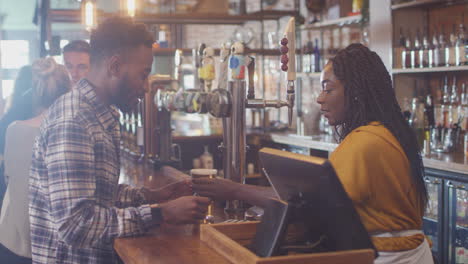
x=376, y=174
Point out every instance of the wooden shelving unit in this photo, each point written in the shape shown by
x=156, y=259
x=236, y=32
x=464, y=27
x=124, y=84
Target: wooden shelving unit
x=74, y=16
x=426, y=3
x=185, y=51
x=431, y=70
x=350, y=20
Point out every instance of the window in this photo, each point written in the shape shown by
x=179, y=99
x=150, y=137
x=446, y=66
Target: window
x=7, y=87
x=59, y=58
x=15, y=53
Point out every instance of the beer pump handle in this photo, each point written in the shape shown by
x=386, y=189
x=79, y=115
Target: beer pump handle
x=290, y=35
x=251, y=70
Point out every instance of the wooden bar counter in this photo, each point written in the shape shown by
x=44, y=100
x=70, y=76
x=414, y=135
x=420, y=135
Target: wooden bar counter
x=167, y=244
x=171, y=244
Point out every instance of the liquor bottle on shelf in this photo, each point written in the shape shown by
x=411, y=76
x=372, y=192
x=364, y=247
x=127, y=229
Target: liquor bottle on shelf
x=428, y=122
x=425, y=53
x=307, y=61
x=442, y=48
x=415, y=59
x=405, y=108
x=406, y=53
x=417, y=119
x=460, y=47
x=131, y=134
x=317, y=57
x=140, y=134
x=435, y=51
x=454, y=102
x=463, y=107
x=450, y=48
x=429, y=112
x=126, y=132
x=445, y=107
x=399, y=50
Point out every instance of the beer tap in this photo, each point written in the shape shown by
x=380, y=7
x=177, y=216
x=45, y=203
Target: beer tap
x=198, y=65
x=207, y=70
x=224, y=53
x=230, y=104
x=288, y=61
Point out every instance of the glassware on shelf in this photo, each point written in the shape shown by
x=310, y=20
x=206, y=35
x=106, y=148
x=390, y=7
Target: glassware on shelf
x=273, y=40
x=243, y=34
x=315, y=7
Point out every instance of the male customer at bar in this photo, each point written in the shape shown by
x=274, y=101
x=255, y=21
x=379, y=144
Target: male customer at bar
x=77, y=59
x=77, y=207
x=378, y=159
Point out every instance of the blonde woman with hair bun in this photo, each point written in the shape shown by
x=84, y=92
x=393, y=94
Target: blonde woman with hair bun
x=50, y=81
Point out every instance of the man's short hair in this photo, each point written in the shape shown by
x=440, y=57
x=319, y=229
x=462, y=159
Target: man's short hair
x=77, y=46
x=117, y=35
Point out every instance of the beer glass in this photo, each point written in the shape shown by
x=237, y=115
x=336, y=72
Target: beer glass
x=209, y=173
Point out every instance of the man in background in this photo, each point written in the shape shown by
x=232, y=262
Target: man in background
x=77, y=59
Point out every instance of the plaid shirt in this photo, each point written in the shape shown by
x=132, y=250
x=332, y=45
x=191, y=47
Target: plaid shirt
x=76, y=206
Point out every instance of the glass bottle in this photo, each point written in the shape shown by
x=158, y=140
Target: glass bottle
x=415, y=59
x=435, y=51
x=305, y=58
x=450, y=48
x=445, y=104
x=442, y=46
x=406, y=53
x=399, y=49
x=463, y=107
x=460, y=52
x=424, y=54
x=317, y=59
x=454, y=102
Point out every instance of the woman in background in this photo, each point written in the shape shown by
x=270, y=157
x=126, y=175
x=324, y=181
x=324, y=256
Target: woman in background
x=19, y=108
x=50, y=81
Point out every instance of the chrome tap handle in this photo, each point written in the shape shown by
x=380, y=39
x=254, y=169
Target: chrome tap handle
x=251, y=70
x=290, y=97
x=290, y=33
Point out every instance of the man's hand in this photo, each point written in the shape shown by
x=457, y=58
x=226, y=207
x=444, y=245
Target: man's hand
x=168, y=192
x=185, y=210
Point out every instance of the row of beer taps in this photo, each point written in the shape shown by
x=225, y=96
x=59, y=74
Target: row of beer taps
x=228, y=100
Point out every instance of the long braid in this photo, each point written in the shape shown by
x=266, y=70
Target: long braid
x=370, y=97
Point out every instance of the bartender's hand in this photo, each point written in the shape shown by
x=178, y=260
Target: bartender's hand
x=185, y=210
x=168, y=192
x=220, y=189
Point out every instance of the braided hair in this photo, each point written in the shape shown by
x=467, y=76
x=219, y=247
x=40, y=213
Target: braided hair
x=369, y=96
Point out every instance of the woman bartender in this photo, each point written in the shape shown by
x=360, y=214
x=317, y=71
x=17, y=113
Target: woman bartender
x=378, y=159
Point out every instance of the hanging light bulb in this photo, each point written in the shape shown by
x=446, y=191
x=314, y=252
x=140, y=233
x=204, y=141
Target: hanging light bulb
x=131, y=7
x=88, y=9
